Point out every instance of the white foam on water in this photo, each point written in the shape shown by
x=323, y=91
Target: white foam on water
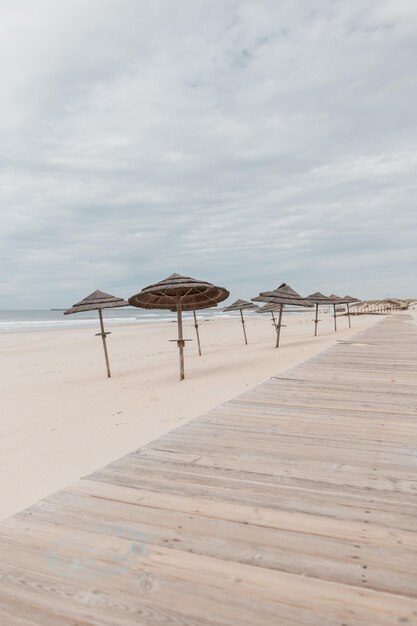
x=21, y=321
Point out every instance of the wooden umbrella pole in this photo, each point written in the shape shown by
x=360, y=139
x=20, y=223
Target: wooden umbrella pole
x=279, y=325
x=274, y=321
x=334, y=315
x=348, y=314
x=103, y=338
x=243, y=326
x=197, y=333
x=180, y=340
x=316, y=321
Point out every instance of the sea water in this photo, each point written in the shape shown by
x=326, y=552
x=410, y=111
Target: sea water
x=39, y=319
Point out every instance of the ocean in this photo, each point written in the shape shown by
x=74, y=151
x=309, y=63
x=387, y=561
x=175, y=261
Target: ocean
x=37, y=319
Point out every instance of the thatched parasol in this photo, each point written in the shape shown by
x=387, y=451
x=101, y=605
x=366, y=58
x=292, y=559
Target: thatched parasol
x=242, y=305
x=181, y=293
x=318, y=299
x=282, y=296
x=98, y=300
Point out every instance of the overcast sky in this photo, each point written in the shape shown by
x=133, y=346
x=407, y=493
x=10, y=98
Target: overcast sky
x=247, y=143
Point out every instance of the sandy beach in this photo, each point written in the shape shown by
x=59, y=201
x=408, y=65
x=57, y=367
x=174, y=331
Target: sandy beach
x=61, y=417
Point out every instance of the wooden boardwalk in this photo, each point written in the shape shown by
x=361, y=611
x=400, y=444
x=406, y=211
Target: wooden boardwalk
x=295, y=504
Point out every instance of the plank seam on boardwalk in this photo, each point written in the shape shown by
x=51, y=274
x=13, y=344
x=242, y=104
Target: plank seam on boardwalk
x=293, y=503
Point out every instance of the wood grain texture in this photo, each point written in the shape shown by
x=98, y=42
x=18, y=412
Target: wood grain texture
x=294, y=504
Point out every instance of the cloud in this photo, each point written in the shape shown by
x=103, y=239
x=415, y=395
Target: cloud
x=239, y=142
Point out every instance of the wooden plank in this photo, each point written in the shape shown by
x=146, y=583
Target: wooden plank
x=159, y=565
x=292, y=504
x=340, y=560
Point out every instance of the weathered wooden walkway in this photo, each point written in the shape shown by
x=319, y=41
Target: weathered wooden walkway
x=295, y=504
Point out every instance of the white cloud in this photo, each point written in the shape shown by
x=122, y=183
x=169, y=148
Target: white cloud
x=241, y=142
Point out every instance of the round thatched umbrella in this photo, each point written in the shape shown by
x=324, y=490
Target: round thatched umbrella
x=318, y=300
x=241, y=305
x=181, y=293
x=349, y=300
x=98, y=300
x=282, y=296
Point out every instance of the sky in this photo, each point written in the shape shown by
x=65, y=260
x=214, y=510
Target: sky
x=243, y=142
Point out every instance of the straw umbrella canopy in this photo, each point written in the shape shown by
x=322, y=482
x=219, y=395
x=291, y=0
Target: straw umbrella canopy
x=318, y=299
x=97, y=301
x=282, y=296
x=181, y=293
x=241, y=305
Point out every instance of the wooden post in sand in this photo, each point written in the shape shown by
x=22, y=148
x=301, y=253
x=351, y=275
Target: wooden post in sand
x=274, y=321
x=348, y=314
x=316, y=321
x=279, y=324
x=334, y=315
x=180, y=340
x=196, y=332
x=103, y=338
x=243, y=326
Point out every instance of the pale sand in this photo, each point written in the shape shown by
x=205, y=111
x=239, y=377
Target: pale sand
x=61, y=418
